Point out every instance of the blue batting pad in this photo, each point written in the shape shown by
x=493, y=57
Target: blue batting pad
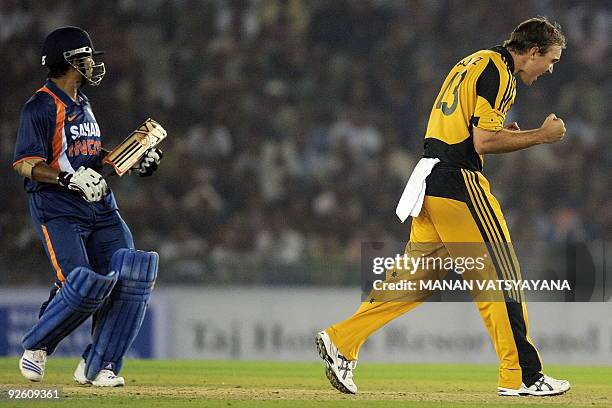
x=81, y=294
x=121, y=316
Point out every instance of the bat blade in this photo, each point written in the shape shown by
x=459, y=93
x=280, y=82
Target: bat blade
x=129, y=152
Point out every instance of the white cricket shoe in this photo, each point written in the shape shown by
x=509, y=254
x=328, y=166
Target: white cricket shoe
x=544, y=386
x=107, y=378
x=32, y=364
x=79, y=373
x=338, y=369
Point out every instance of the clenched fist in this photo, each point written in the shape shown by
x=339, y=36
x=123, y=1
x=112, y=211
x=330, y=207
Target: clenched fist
x=553, y=129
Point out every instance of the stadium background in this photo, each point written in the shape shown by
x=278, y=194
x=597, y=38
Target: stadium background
x=293, y=128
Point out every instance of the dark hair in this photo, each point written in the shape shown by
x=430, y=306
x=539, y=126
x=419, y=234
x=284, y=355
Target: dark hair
x=58, y=70
x=535, y=32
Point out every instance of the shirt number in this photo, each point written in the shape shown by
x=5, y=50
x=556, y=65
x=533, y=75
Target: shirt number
x=444, y=106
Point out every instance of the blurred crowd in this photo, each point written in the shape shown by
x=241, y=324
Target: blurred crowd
x=294, y=125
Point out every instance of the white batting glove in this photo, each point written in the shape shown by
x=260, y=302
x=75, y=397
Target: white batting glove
x=149, y=162
x=88, y=182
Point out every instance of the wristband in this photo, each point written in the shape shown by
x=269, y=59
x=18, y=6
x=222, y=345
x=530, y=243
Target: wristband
x=63, y=178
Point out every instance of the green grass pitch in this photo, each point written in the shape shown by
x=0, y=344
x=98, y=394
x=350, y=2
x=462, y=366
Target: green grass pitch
x=157, y=383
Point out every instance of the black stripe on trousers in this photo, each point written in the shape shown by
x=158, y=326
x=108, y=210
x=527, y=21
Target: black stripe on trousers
x=505, y=240
x=490, y=219
x=485, y=232
x=529, y=360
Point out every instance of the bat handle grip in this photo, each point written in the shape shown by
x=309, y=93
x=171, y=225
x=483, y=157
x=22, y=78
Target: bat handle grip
x=108, y=171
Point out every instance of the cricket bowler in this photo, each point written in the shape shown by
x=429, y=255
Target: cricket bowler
x=467, y=122
x=98, y=272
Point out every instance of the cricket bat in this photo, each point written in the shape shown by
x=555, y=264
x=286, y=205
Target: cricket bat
x=129, y=152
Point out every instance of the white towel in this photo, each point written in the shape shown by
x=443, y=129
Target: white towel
x=414, y=193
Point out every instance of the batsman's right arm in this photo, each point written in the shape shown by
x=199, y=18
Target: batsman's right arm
x=36, y=169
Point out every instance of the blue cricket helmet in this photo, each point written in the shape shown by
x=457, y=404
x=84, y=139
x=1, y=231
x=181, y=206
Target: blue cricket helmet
x=73, y=45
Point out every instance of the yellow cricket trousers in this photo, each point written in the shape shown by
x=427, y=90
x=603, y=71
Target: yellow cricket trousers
x=459, y=207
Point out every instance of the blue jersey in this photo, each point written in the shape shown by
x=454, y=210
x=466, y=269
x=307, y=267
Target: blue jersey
x=62, y=132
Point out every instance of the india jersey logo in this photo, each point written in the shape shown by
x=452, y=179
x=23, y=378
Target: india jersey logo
x=87, y=147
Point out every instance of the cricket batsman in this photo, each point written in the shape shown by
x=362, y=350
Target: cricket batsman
x=98, y=272
x=467, y=122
